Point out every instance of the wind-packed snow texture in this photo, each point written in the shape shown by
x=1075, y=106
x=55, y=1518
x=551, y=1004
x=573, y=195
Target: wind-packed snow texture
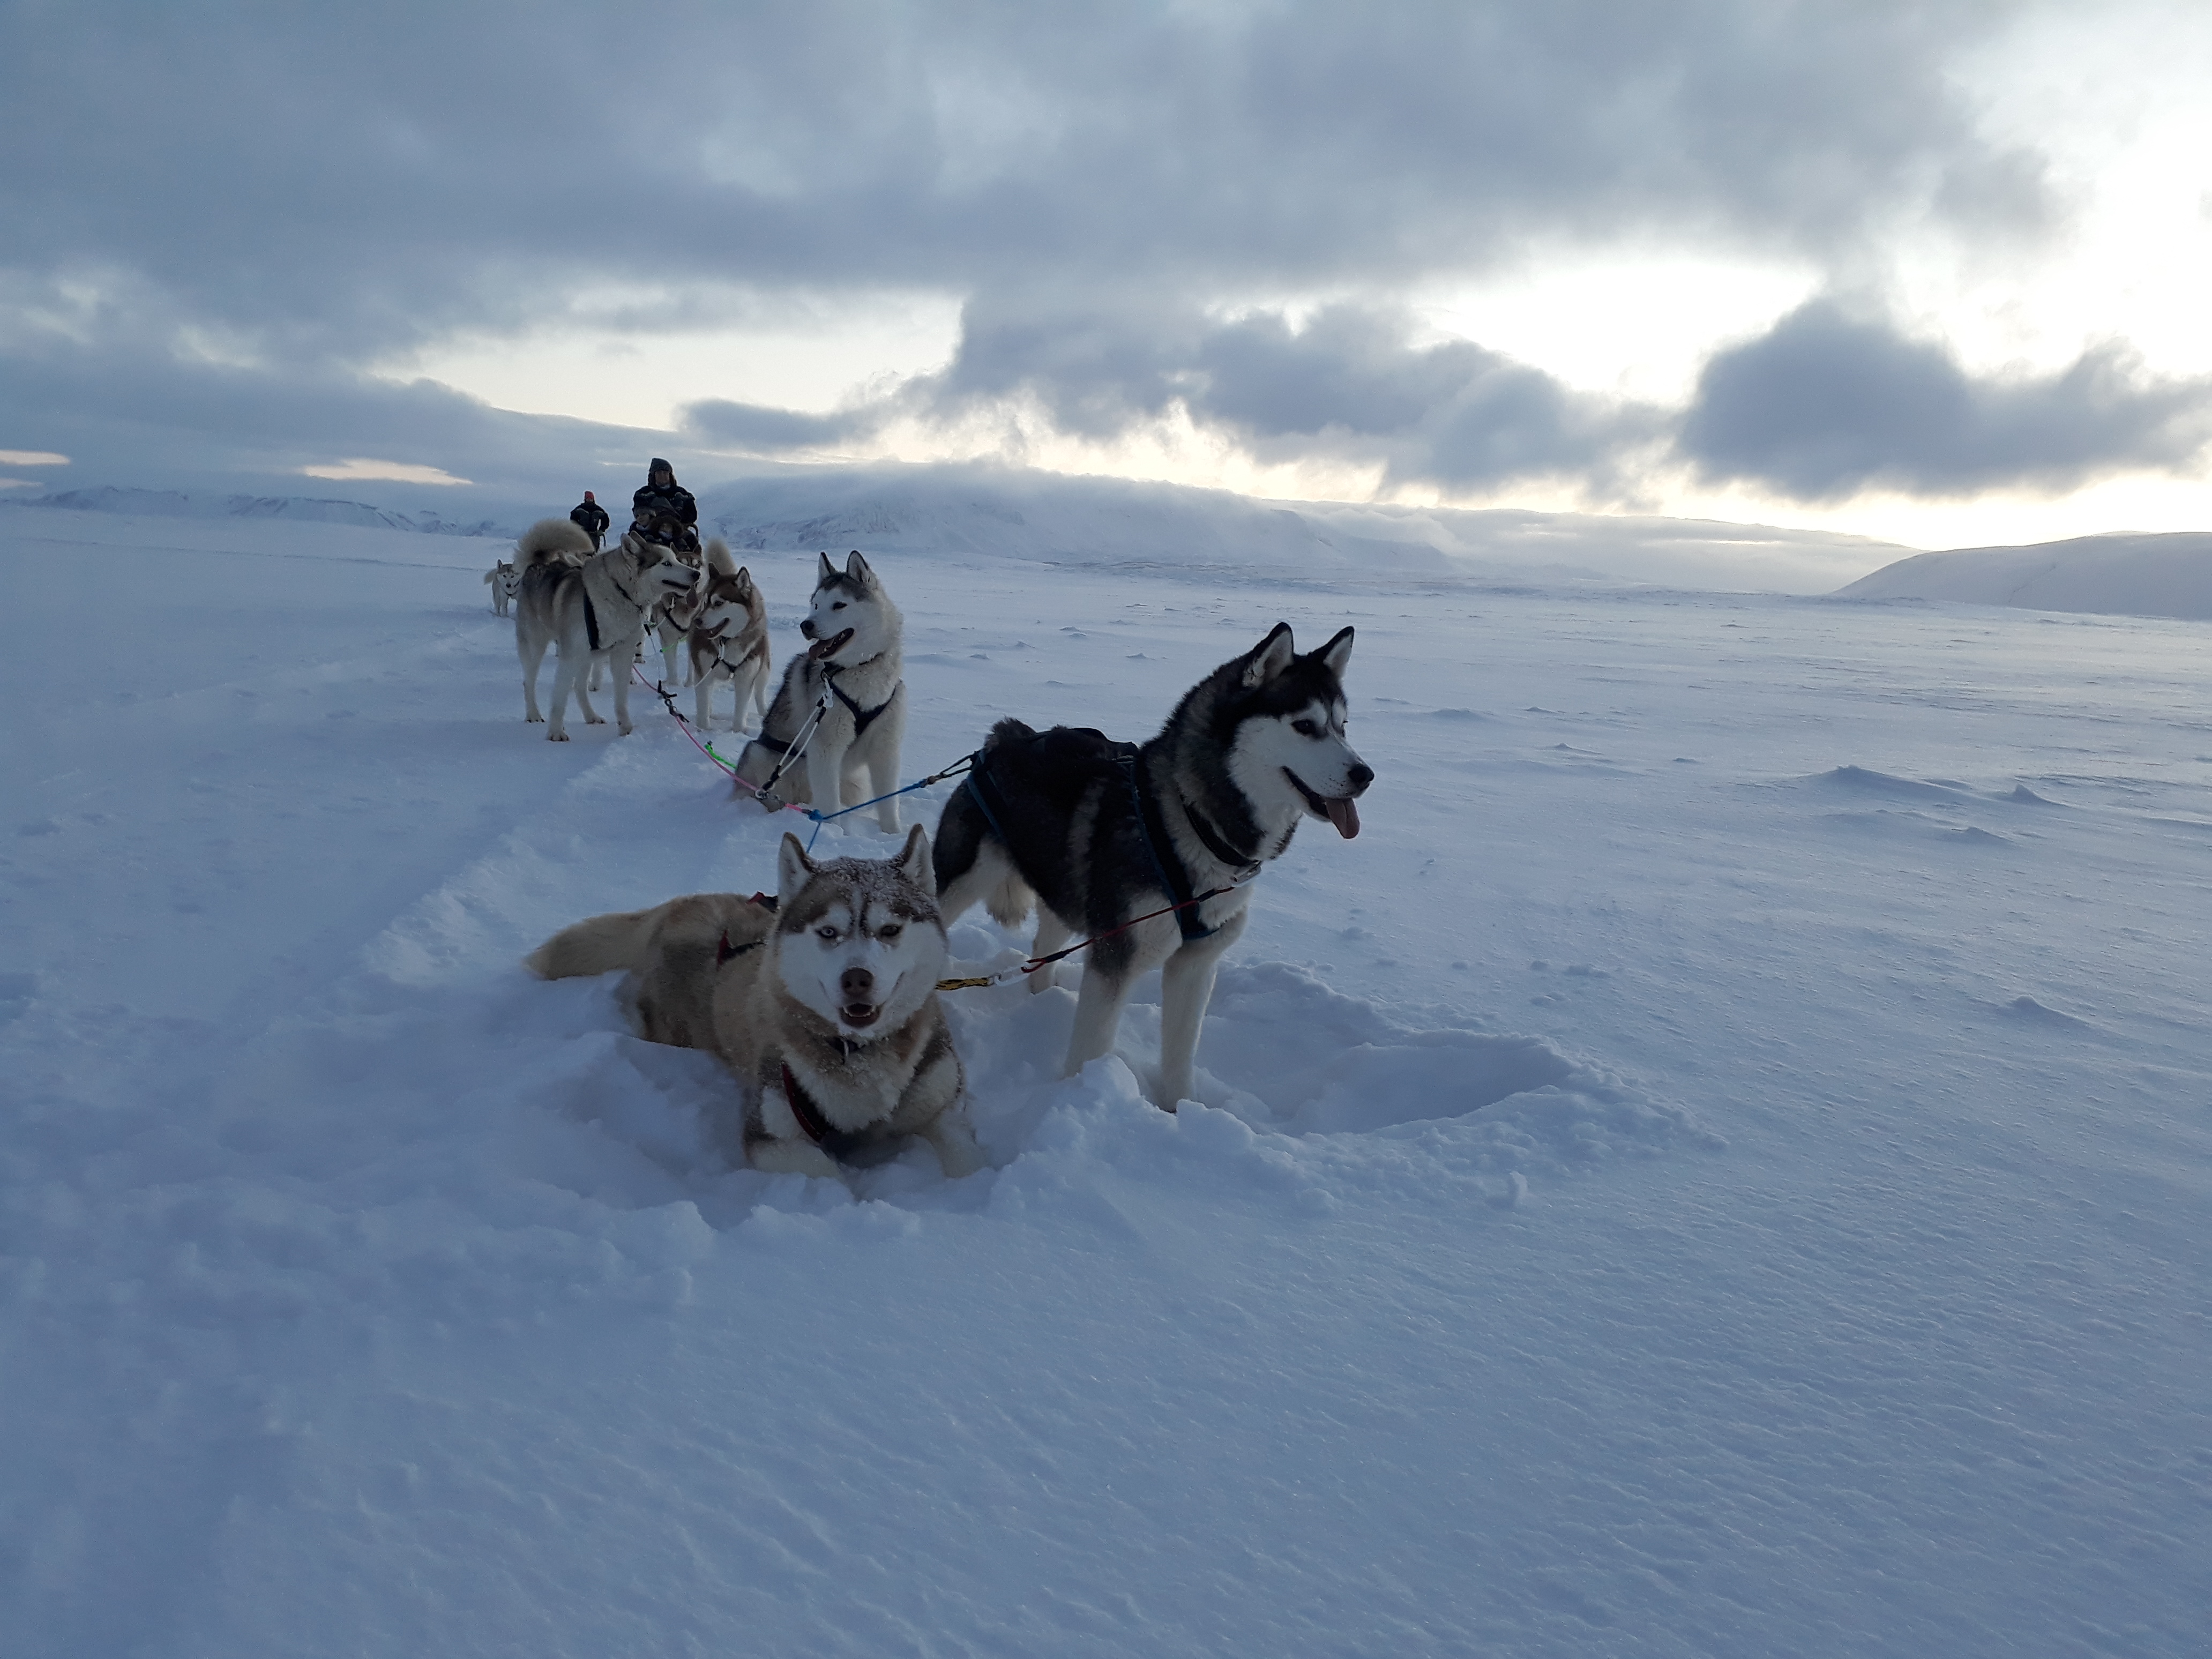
x=1718, y=1167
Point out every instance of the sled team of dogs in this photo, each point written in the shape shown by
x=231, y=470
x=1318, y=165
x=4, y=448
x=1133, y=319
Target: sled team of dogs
x=598, y=610
x=822, y=1000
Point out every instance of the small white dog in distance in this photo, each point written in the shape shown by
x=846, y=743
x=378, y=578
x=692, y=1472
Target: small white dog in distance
x=851, y=673
x=824, y=1008
x=503, y=580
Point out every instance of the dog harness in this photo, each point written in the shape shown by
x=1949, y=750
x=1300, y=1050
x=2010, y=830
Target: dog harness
x=1166, y=860
x=862, y=717
x=591, y=612
x=1151, y=829
x=817, y=1128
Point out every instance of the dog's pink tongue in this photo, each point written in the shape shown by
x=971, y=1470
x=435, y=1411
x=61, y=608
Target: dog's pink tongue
x=1344, y=814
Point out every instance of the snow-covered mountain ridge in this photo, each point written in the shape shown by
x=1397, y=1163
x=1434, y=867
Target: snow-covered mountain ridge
x=184, y=504
x=2163, y=575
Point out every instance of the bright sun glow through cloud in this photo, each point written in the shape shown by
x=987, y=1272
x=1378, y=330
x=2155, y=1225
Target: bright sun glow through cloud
x=364, y=467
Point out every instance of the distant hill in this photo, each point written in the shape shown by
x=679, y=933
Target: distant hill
x=2168, y=575
x=180, y=504
x=1113, y=521
x=959, y=511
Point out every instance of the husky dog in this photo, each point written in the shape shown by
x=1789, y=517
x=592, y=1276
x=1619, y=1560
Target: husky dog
x=1098, y=833
x=851, y=674
x=728, y=632
x=594, y=608
x=673, y=619
x=824, y=1006
x=503, y=583
x=668, y=617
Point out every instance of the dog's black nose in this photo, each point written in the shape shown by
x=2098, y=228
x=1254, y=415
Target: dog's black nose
x=856, y=983
x=807, y=627
x=1361, y=775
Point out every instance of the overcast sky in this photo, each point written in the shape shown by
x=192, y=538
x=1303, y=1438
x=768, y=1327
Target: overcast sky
x=1931, y=272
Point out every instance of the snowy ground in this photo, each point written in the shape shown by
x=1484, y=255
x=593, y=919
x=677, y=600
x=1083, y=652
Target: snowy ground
x=1719, y=1166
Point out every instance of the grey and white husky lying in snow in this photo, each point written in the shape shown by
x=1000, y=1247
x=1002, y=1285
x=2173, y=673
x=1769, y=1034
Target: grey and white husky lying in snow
x=824, y=1008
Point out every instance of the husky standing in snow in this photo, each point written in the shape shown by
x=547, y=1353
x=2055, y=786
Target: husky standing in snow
x=726, y=634
x=594, y=606
x=673, y=619
x=851, y=675
x=825, y=1007
x=503, y=580
x=1097, y=833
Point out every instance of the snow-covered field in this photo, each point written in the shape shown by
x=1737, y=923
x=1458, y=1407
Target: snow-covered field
x=1719, y=1166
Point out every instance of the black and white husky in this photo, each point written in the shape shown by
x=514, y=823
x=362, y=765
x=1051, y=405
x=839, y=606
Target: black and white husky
x=1097, y=833
x=836, y=723
x=594, y=606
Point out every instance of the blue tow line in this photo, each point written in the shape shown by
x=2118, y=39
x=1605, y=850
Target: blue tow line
x=964, y=764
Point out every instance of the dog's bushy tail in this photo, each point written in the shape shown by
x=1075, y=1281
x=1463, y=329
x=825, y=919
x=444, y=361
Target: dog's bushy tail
x=719, y=559
x=1010, y=902
x=552, y=541
x=598, y=945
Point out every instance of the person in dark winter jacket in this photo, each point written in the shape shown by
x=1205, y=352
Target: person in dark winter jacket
x=663, y=497
x=590, y=518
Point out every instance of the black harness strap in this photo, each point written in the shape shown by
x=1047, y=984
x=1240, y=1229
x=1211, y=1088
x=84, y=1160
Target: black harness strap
x=817, y=1128
x=982, y=789
x=1218, y=844
x=591, y=619
x=1173, y=876
x=862, y=717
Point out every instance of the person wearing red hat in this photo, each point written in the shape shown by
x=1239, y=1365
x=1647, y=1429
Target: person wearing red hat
x=590, y=518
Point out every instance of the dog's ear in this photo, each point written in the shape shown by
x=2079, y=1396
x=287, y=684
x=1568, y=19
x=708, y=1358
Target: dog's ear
x=828, y=572
x=744, y=582
x=1270, y=656
x=793, y=870
x=1336, y=654
x=856, y=569
x=914, y=861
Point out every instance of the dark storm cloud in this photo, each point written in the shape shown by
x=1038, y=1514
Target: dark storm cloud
x=343, y=181
x=1351, y=383
x=1825, y=406
x=124, y=418
x=295, y=192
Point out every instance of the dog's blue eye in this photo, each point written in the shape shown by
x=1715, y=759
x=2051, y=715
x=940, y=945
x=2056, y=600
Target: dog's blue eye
x=827, y=935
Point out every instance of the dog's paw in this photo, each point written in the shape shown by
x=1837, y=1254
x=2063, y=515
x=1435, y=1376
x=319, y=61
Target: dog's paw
x=625, y=728
x=557, y=737
x=595, y=720
x=533, y=720
x=792, y=1158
